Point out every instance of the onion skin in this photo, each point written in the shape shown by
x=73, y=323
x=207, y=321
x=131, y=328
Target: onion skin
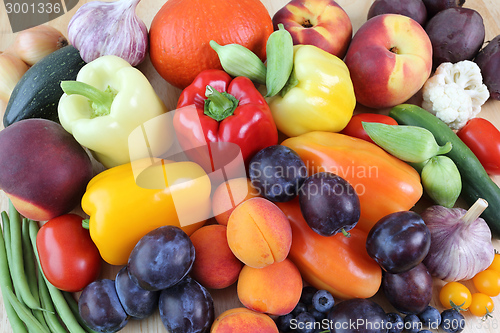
x=459, y=250
x=109, y=28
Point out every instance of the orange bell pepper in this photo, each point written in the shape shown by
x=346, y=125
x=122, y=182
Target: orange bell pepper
x=383, y=183
x=336, y=263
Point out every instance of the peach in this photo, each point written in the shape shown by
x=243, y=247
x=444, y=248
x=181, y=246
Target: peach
x=274, y=289
x=230, y=194
x=259, y=233
x=389, y=58
x=215, y=266
x=243, y=320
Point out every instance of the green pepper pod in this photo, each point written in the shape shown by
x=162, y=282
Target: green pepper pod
x=237, y=60
x=279, y=50
x=408, y=143
x=441, y=180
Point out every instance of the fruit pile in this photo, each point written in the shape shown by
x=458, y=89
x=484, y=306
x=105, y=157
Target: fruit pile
x=248, y=172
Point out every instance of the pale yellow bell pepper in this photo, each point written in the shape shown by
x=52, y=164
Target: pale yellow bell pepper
x=319, y=95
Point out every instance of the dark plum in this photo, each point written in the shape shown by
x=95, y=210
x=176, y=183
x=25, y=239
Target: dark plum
x=186, y=307
x=399, y=241
x=488, y=60
x=430, y=317
x=161, y=258
x=435, y=6
x=414, y=9
x=139, y=303
x=408, y=292
x=452, y=321
x=357, y=315
x=456, y=34
x=395, y=323
x=277, y=172
x=329, y=204
x=100, y=307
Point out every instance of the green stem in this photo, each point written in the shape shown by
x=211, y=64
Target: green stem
x=86, y=224
x=345, y=233
x=218, y=105
x=445, y=149
x=101, y=100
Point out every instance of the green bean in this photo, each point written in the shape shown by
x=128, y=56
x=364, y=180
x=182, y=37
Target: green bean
x=17, y=266
x=51, y=319
x=25, y=314
x=30, y=270
x=60, y=303
x=8, y=247
x=6, y=283
x=73, y=304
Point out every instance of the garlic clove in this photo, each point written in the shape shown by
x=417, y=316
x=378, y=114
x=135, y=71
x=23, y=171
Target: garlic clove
x=31, y=45
x=109, y=28
x=11, y=70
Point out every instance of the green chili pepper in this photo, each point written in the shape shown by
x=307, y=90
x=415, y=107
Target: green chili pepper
x=408, y=143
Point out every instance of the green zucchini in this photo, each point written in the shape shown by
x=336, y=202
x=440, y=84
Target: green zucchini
x=37, y=93
x=476, y=183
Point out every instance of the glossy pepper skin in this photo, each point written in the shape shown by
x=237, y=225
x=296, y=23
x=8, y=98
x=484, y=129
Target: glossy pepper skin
x=250, y=125
x=318, y=97
x=116, y=99
x=125, y=204
x=337, y=263
x=384, y=184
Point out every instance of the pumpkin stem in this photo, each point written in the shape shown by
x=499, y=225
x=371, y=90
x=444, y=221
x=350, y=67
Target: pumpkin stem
x=219, y=105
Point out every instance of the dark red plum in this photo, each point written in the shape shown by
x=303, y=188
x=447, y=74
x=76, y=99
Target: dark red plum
x=435, y=6
x=277, y=172
x=100, y=307
x=329, y=204
x=409, y=292
x=456, y=34
x=357, y=315
x=399, y=241
x=138, y=303
x=161, y=258
x=488, y=60
x=186, y=307
x=414, y=9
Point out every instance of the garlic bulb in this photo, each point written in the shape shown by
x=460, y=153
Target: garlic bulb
x=11, y=70
x=33, y=44
x=460, y=242
x=109, y=28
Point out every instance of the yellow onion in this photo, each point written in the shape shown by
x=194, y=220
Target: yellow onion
x=33, y=44
x=11, y=70
x=460, y=242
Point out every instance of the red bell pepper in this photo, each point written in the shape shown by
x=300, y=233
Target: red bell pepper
x=227, y=111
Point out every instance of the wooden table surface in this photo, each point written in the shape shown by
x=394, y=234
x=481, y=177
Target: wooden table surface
x=357, y=10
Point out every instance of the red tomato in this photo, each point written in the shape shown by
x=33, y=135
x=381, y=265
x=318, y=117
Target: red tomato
x=355, y=129
x=483, y=138
x=69, y=258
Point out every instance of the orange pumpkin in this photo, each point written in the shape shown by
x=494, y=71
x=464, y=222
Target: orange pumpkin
x=182, y=29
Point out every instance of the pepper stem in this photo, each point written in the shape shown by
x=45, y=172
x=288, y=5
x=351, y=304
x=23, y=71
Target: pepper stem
x=86, y=224
x=345, y=233
x=475, y=211
x=445, y=148
x=219, y=105
x=100, y=100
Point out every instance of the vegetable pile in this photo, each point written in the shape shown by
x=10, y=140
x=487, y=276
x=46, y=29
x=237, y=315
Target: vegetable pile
x=317, y=171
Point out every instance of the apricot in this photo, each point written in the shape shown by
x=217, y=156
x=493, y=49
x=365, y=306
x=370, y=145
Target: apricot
x=274, y=289
x=230, y=194
x=259, y=233
x=243, y=320
x=215, y=266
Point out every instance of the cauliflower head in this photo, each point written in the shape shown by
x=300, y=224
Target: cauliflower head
x=455, y=93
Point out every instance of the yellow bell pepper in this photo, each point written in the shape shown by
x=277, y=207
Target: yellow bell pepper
x=319, y=95
x=126, y=202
